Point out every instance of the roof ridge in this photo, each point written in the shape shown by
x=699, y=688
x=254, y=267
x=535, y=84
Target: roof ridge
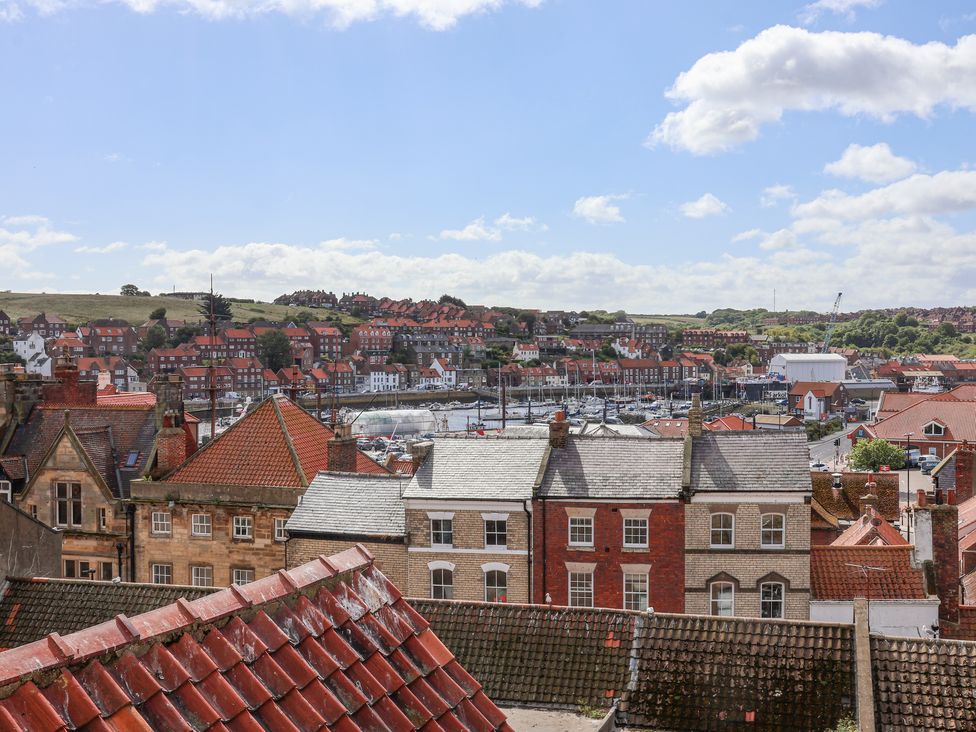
x=864, y=547
x=56, y=651
x=103, y=583
x=288, y=441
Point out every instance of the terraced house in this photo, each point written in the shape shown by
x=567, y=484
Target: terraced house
x=468, y=518
x=218, y=518
x=747, y=523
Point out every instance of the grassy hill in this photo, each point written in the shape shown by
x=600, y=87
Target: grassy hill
x=78, y=309
x=672, y=321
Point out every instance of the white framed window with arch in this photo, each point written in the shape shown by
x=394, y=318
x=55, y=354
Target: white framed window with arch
x=722, y=596
x=496, y=581
x=722, y=533
x=772, y=600
x=441, y=580
x=772, y=530
x=933, y=429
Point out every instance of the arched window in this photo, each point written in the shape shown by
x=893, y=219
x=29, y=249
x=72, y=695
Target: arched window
x=771, y=599
x=723, y=598
x=496, y=586
x=441, y=580
x=809, y=403
x=723, y=530
x=773, y=531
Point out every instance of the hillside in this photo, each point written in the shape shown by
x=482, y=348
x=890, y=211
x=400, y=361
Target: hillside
x=81, y=308
x=672, y=321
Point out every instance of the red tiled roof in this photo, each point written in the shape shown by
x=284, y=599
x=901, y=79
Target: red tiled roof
x=730, y=423
x=277, y=444
x=328, y=645
x=870, y=529
x=878, y=572
x=668, y=426
x=958, y=417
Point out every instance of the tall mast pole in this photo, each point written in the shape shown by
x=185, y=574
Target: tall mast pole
x=211, y=370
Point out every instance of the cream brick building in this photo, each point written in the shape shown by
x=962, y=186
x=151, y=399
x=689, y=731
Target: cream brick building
x=747, y=525
x=468, y=518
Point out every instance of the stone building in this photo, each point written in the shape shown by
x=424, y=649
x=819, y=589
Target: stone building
x=218, y=518
x=340, y=510
x=30, y=548
x=747, y=523
x=468, y=517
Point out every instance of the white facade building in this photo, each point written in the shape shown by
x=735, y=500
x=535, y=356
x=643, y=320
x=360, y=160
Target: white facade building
x=808, y=366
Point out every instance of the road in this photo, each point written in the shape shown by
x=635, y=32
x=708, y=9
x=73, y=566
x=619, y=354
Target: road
x=825, y=452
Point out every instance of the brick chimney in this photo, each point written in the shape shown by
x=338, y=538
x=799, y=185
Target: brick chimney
x=68, y=389
x=868, y=504
x=695, y=416
x=341, y=449
x=172, y=443
x=559, y=431
x=964, y=471
x=419, y=452
x=937, y=539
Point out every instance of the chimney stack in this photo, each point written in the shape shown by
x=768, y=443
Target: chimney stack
x=937, y=539
x=965, y=484
x=559, y=431
x=68, y=389
x=173, y=445
x=419, y=452
x=695, y=416
x=341, y=449
x=868, y=504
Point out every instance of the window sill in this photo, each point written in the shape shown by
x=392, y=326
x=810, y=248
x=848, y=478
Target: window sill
x=643, y=548
x=722, y=547
x=581, y=548
x=243, y=539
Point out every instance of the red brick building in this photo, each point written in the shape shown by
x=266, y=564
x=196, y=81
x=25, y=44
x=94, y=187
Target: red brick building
x=373, y=342
x=712, y=338
x=608, y=523
x=240, y=343
x=170, y=360
x=326, y=341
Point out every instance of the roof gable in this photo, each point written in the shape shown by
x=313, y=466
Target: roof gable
x=875, y=572
x=760, y=460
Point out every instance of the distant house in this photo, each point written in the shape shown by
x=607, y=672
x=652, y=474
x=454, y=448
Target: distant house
x=5, y=327
x=31, y=349
x=525, y=352
x=49, y=326
x=817, y=400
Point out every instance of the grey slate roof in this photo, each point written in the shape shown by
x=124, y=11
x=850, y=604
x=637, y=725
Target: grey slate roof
x=33, y=607
x=760, y=460
x=487, y=468
x=615, y=467
x=351, y=503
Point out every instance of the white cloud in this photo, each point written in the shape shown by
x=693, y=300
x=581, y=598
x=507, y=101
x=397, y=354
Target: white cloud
x=433, y=14
x=511, y=223
x=475, y=231
x=747, y=235
x=781, y=239
x=810, y=13
x=154, y=246
x=20, y=236
x=599, y=209
x=707, y=205
x=344, y=244
x=28, y=220
x=730, y=95
x=874, y=163
x=772, y=195
x=945, y=192
x=586, y=280
x=107, y=249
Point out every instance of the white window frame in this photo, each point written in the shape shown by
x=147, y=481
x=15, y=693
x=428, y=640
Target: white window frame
x=646, y=529
x=712, y=530
x=772, y=531
x=496, y=519
x=161, y=523
x=6, y=491
x=71, y=503
x=242, y=575
x=932, y=432
x=763, y=601
x=582, y=523
x=194, y=525
x=201, y=575
x=280, y=533
x=159, y=571
x=715, y=604
x=586, y=578
x=440, y=521
x=495, y=572
x=242, y=524
x=629, y=595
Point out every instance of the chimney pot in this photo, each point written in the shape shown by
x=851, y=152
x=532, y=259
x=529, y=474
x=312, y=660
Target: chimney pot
x=559, y=431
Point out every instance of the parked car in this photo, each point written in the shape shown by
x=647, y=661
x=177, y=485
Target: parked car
x=818, y=467
x=912, y=457
x=927, y=463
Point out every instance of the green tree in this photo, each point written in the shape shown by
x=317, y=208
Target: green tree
x=184, y=334
x=220, y=305
x=129, y=290
x=157, y=314
x=11, y=357
x=155, y=338
x=274, y=349
x=872, y=454
x=450, y=299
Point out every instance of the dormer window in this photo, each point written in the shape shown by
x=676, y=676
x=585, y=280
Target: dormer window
x=933, y=429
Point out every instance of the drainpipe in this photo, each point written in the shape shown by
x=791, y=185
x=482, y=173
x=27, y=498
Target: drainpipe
x=130, y=517
x=545, y=548
x=528, y=516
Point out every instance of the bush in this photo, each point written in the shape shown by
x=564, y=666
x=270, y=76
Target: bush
x=872, y=454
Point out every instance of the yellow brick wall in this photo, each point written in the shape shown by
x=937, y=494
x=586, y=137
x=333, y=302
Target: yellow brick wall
x=391, y=559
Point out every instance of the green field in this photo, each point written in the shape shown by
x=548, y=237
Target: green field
x=672, y=321
x=79, y=309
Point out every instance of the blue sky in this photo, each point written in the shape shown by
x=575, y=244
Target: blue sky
x=658, y=157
